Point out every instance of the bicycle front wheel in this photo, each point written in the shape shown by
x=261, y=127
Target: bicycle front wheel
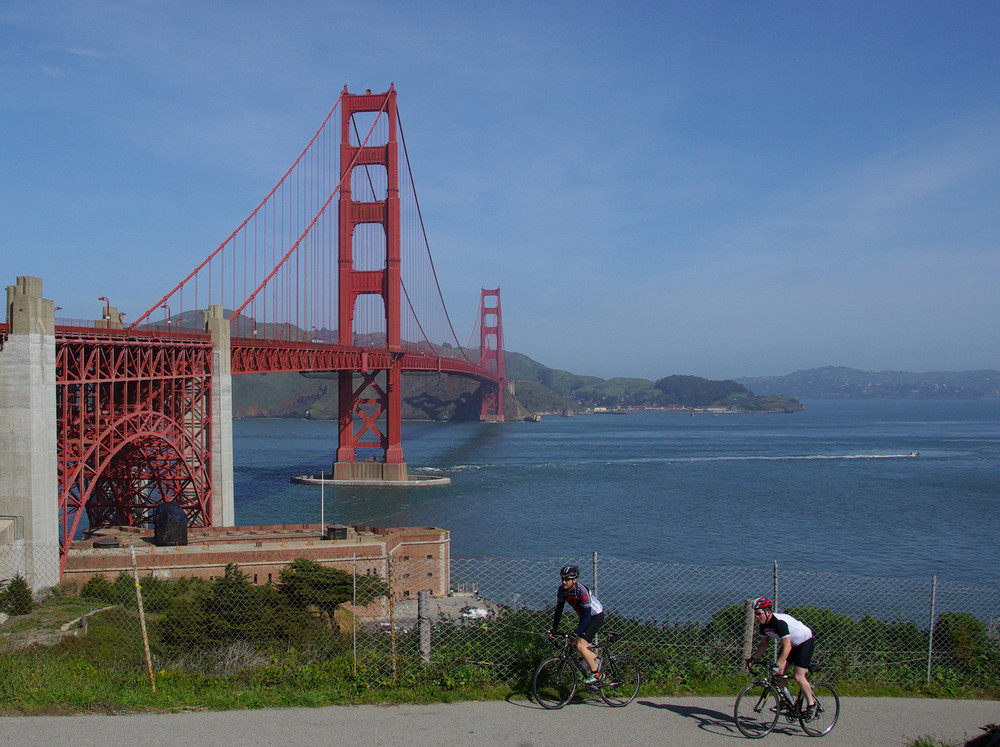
x=620, y=683
x=756, y=710
x=554, y=683
x=827, y=712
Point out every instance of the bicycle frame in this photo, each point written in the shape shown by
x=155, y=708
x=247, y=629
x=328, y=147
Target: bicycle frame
x=557, y=678
x=570, y=652
x=790, y=708
x=762, y=703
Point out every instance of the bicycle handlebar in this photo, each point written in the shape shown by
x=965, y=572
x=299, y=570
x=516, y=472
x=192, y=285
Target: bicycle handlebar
x=757, y=666
x=560, y=640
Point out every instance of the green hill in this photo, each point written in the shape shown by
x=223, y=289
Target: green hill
x=838, y=382
x=537, y=389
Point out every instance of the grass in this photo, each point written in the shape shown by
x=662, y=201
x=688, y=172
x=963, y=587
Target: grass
x=44, y=669
x=98, y=675
x=47, y=619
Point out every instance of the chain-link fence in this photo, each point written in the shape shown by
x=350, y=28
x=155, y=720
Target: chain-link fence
x=485, y=620
x=684, y=622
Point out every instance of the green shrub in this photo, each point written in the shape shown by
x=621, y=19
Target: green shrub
x=963, y=636
x=15, y=599
x=97, y=587
x=229, y=609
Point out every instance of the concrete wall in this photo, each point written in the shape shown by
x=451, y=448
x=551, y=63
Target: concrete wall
x=223, y=492
x=28, y=474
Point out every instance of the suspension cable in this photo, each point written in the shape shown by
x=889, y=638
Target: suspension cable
x=427, y=245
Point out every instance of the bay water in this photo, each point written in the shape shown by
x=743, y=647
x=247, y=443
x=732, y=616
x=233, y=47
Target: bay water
x=835, y=488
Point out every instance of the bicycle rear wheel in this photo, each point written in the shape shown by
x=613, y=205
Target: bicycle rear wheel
x=554, y=683
x=620, y=683
x=827, y=713
x=756, y=710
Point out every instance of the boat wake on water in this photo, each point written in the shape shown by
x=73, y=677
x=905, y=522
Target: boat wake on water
x=771, y=458
x=752, y=458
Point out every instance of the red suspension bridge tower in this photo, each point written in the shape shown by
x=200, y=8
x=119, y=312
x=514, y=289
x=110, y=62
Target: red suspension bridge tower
x=379, y=391
x=491, y=354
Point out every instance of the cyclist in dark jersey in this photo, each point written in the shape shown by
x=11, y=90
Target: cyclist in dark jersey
x=795, y=642
x=591, y=613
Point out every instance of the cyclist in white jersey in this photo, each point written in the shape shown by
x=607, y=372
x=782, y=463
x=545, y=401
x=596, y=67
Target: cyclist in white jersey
x=795, y=642
x=591, y=613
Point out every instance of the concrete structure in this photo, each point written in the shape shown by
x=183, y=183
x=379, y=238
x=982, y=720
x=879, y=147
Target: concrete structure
x=29, y=503
x=413, y=559
x=410, y=481
x=223, y=500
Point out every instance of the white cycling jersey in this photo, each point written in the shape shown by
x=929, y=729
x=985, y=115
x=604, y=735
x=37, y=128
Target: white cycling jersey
x=786, y=626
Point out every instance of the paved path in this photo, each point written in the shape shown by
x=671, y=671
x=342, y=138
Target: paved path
x=688, y=721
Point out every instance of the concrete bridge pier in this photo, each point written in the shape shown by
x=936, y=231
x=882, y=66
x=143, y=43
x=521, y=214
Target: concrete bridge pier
x=29, y=484
x=223, y=500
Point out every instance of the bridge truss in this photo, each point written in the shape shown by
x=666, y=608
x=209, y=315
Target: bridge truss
x=133, y=428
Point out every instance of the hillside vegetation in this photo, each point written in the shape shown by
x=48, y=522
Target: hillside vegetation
x=838, y=382
x=537, y=389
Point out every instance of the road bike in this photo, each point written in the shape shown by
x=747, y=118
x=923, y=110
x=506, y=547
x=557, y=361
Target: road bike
x=557, y=678
x=760, y=705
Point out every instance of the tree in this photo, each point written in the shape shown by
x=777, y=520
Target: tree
x=306, y=583
x=231, y=609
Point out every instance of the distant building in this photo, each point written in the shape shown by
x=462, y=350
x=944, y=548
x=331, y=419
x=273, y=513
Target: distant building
x=418, y=558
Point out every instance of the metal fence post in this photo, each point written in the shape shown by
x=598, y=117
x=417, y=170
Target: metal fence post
x=392, y=613
x=774, y=589
x=424, y=624
x=142, y=620
x=748, y=619
x=594, y=563
x=930, y=638
x=774, y=585
x=354, y=610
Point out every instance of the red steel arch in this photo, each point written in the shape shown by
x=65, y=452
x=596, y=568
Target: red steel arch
x=133, y=414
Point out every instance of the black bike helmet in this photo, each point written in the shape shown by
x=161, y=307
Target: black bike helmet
x=568, y=572
x=761, y=603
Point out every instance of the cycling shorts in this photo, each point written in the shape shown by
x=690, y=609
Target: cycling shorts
x=801, y=655
x=596, y=621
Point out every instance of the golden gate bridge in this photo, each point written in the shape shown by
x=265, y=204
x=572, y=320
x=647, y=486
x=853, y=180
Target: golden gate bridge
x=331, y=272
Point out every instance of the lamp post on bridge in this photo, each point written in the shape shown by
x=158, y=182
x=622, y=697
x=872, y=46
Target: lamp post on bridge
x=107, y=307
x=167, y=315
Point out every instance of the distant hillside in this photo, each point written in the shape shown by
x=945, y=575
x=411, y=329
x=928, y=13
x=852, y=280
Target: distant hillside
x=537, y=390
x=293, y=395
x=837, y=382
x=582, y=392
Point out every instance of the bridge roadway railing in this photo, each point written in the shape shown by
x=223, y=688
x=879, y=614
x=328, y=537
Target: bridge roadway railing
x=263, y=356
x=252, y=355
x=685, y=625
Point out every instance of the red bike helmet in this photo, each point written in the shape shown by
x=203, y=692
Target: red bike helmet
x=761, y=603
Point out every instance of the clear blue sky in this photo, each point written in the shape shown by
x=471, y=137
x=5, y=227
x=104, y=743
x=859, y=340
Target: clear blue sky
x=720, y=189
